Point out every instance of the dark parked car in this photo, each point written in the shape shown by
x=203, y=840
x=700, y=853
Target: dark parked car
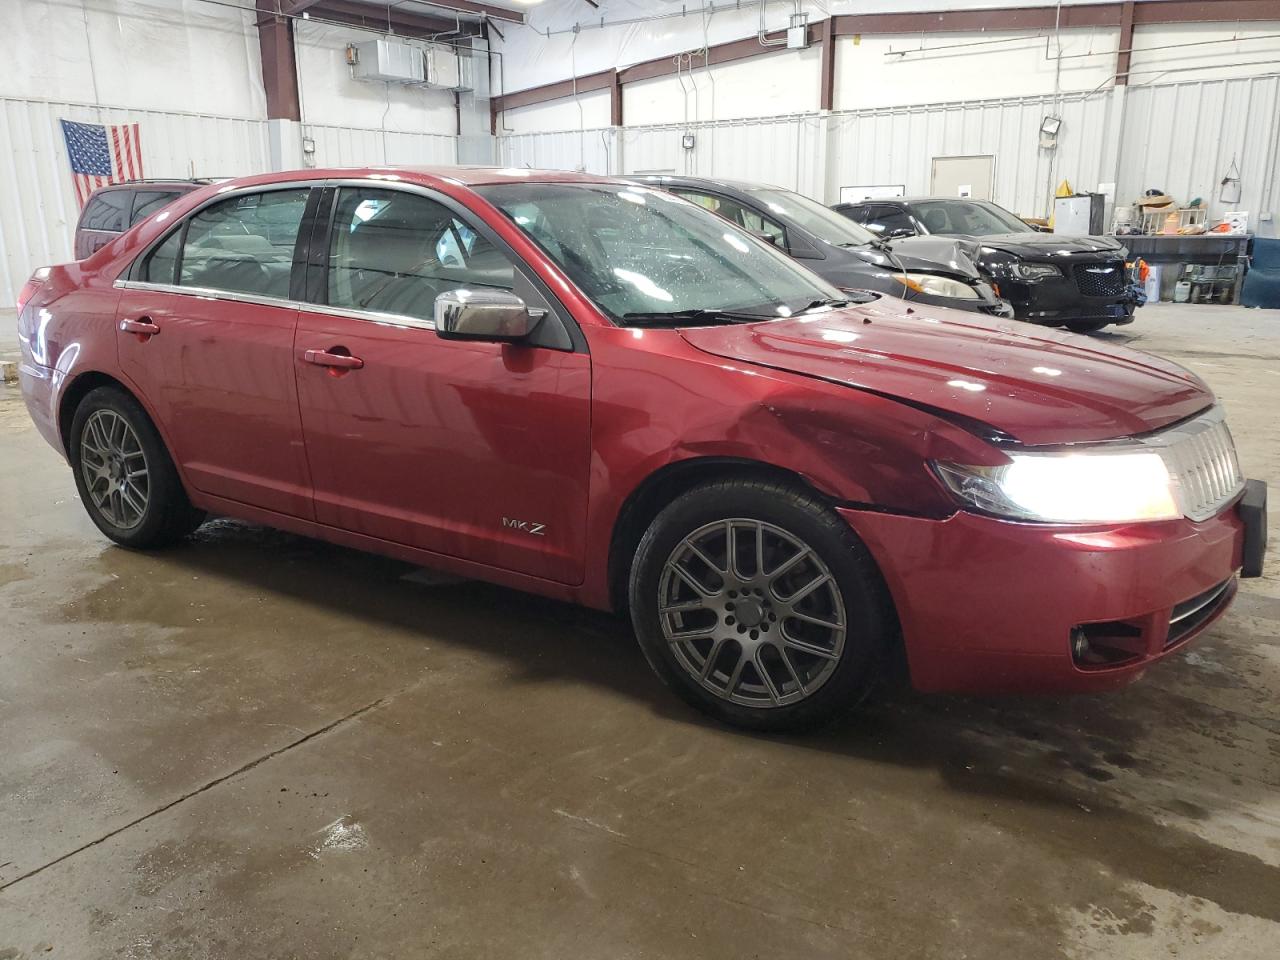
x=1081, y=283
x=840, y=252
x=601, y=393
x=113, y=210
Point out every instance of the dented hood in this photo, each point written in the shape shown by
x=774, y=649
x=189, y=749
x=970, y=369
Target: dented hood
x=1027, y=383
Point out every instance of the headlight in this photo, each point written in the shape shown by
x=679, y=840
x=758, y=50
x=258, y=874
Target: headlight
x=938, y=286
x=1068, y=487
x=1035, y=271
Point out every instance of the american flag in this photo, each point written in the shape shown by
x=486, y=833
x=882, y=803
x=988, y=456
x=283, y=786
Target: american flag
x=102, y=154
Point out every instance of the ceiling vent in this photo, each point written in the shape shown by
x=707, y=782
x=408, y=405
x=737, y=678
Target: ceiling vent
x=386, y=60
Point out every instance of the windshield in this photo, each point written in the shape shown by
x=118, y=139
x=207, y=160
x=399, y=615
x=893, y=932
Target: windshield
x=636, y=251
x=823, y=222
x=966, y=218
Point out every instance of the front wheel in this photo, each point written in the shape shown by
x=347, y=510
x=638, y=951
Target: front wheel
x=757, y=604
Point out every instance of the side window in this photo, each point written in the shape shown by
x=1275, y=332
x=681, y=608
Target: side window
x=744, y=217
x=147, y=202
x=162, y=262
x=395, y=252
x=884, y=219
x=106, y=211
x=244, y=244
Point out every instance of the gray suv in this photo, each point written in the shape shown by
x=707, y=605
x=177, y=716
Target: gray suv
x=113, y=210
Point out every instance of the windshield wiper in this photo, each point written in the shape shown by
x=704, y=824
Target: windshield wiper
x=835, y=303
x=676, y=318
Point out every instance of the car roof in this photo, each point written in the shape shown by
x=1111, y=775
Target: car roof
x=159, y=182
x=909, y=200
x=671, y=179
x=467, y=176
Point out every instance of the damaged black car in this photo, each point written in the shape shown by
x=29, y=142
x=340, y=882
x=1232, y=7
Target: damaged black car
x=1081, y=283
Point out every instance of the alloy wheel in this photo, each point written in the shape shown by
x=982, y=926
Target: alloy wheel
x=752, y=613
x=115, y=468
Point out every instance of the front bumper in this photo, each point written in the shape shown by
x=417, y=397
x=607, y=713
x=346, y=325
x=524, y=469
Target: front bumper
x=993, y=606
x=1059, y=301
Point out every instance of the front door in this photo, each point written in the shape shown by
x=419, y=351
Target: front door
x=207, y=337
x=474, y=450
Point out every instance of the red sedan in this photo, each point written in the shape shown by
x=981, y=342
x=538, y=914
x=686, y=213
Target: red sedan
x=603, y=393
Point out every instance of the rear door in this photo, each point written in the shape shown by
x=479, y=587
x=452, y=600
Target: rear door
x=207, y=323
x=105, y=217
x=471, y=449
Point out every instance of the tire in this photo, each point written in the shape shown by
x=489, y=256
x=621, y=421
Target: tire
x=112, y=440
x=752, y=617
x=1091, y=326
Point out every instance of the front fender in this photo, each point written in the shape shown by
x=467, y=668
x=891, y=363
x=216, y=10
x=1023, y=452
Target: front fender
x=658, y=401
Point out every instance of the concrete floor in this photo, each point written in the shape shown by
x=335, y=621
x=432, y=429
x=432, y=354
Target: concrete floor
x=260, y=746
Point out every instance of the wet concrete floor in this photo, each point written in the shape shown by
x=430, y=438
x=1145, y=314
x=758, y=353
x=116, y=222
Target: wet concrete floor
x=259, y=746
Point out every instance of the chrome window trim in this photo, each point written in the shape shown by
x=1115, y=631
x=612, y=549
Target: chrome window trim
x=234, y=296
x=389, y=181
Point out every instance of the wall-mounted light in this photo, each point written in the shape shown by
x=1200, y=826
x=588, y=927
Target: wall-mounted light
x=1049, y=128
x=687, y=141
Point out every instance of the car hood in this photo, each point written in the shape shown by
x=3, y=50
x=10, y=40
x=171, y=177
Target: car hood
x=1022, y=383
x=1048, y=245
x=947, y=256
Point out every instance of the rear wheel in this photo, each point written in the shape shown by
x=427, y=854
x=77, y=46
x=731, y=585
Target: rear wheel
x=758, y=605
x=124, y=474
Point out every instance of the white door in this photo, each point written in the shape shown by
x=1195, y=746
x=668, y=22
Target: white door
x=963, y=177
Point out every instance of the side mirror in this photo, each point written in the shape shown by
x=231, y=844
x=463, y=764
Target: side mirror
x=495, y=315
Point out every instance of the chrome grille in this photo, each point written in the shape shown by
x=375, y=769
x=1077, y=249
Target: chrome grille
x=1201, y=458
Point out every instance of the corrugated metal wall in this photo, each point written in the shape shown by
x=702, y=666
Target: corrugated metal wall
x=593, y=151
x=897, y=146
x=1182, y=137
x=38, y=209
x=354, y=147
x=784, y=151
x=1179, y=137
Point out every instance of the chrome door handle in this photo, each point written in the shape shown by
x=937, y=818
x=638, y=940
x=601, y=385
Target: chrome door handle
x=143, y=327
x=342, y=361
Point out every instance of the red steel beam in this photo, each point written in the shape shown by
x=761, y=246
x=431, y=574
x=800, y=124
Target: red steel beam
x=1205, y=11
x=379, y=18
x=1124, y=54
x=489, y=10
x=827, y=83
x=279, y=70
x=615, y=100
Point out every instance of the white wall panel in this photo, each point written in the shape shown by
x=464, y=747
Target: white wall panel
x=783, y=151
x=591, y=151
x=769, y=85
x=154, y=54
x=587, y=111
x=897, y=146
x=1236, y=50
x=329, y=95
x=897, y=70
x=38, y=209
x=1181, y=138
x=339, y=146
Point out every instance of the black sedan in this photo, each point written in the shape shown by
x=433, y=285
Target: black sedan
x=1081, y=283
x=838, y=250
